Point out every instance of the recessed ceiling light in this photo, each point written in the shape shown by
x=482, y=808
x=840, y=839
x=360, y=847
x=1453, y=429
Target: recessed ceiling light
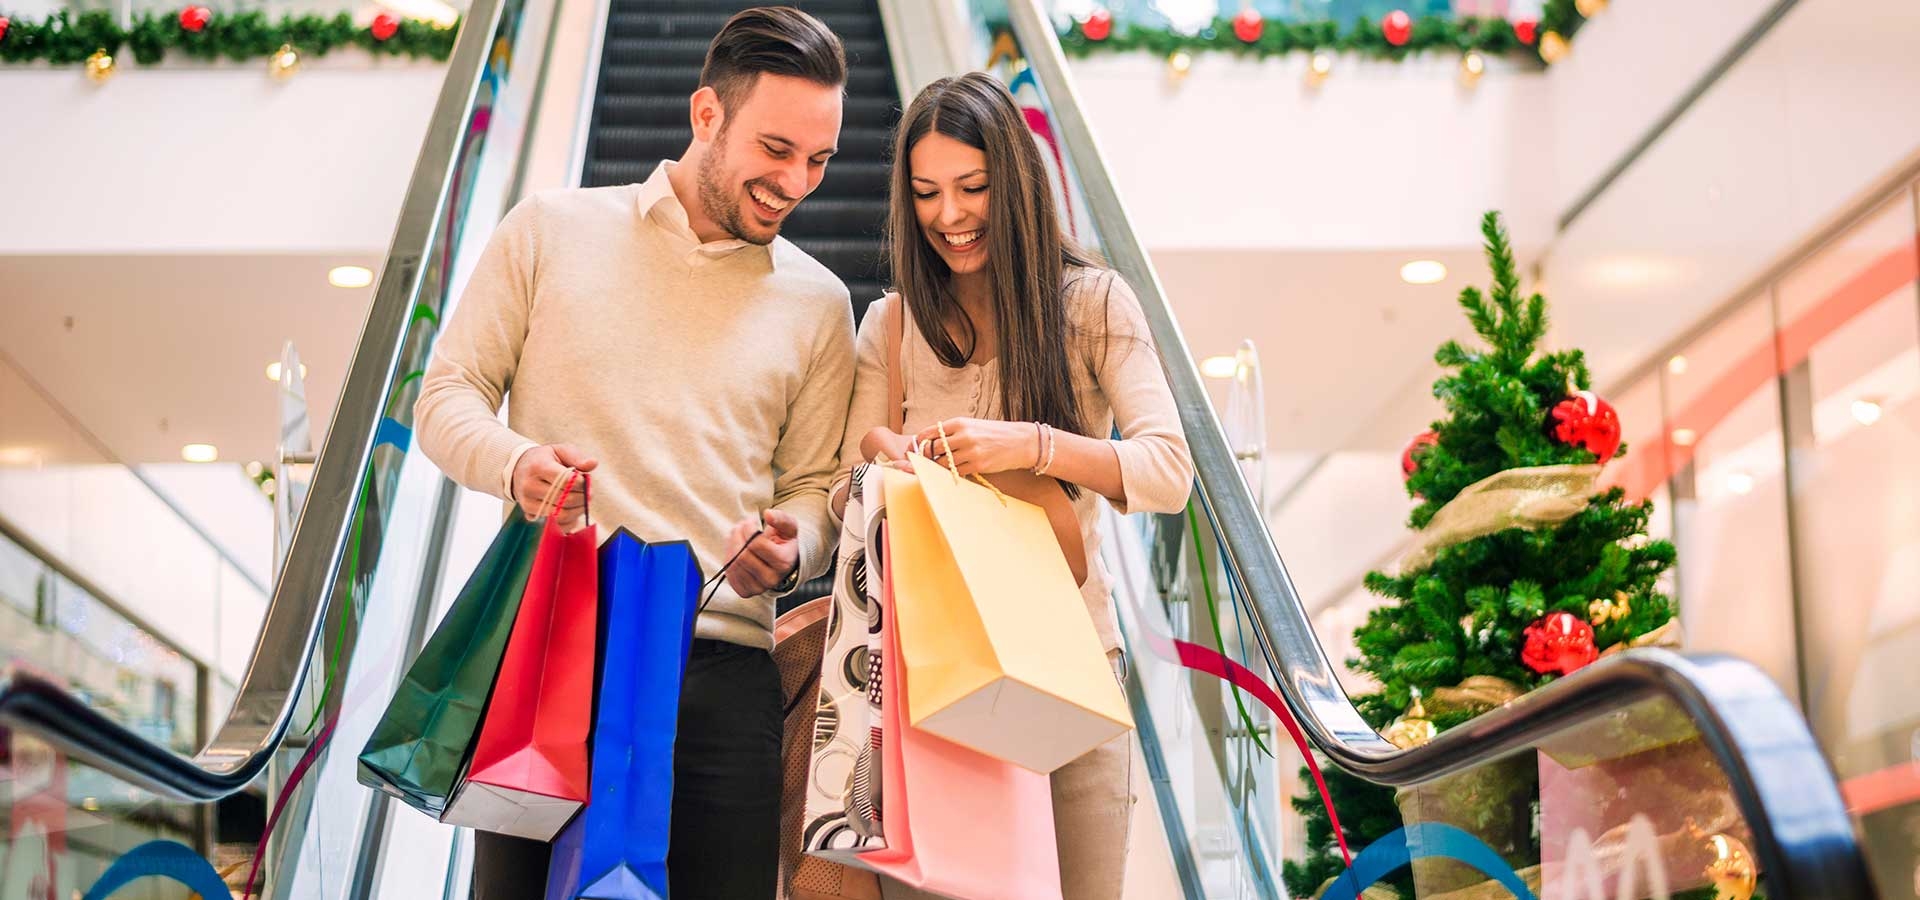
x=18, y=456
x=1423, y=271
x=1739, y=483
x=1684, y=437
x=350, y=276
x=1677, y=365
x=199, y=453
x=1219, y=367
x=273, y=371
x=1867, y=412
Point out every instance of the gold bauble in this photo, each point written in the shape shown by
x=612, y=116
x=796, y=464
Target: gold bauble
x=1472, y=66
x=1476, y=694
x=1179, y=63
x=1553, y=47
x=100, y=66
x=1602, y=611
x=284, y=62
x=1732, y=870
x=1319, y=66
x=1590, y=8
x=1413, y=729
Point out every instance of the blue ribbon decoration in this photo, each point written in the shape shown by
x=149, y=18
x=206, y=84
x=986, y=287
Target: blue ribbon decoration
x=393, y=433
x=1423, y=841
x=161, y=859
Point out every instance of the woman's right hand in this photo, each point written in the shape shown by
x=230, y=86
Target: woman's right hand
x=536, y=472
x=881, y=441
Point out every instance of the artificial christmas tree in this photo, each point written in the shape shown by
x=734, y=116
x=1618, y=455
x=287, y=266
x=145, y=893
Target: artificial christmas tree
x=1522, y=570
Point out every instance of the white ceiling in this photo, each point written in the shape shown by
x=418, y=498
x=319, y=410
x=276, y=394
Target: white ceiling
x=149, y=353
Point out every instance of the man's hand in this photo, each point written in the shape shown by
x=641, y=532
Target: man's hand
x=771, y=557
x=539, y=468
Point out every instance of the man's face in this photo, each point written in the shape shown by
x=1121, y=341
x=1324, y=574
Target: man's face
x=770, y=152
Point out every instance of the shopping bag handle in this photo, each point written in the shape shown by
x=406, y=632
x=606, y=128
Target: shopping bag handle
x=946, y=453
x=560, y=489
x=711, y=587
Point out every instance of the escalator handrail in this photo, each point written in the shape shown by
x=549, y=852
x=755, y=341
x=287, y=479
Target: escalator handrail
x=1783, y=784
x=264, y=703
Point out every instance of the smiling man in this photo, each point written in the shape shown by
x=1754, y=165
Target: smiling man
x=665, y=339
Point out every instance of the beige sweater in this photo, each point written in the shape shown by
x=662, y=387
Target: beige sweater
x=1119, y=382
x=709, y=380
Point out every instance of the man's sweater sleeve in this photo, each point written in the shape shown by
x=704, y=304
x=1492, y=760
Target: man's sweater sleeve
x=809, y=449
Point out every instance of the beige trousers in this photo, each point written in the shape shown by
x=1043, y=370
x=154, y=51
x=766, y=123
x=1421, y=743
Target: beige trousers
x=1092, y=814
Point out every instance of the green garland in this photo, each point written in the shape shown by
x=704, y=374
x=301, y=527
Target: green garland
x=63, y=39
x=1364, y=36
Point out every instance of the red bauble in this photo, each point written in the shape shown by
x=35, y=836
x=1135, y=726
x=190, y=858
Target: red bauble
x=1099, y=24
x=1527, y=30
x=1248, y=25
x=1398, y=27
x=1410, y=457
x=195, y=18
x=1585, y=420
x=4, y=23
x=385, y=25
x=1558, y=644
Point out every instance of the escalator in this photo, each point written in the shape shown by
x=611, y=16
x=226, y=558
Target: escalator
x=1700, y=759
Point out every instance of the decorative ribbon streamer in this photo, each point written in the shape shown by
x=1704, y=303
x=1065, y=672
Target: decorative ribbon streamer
x=160, y=859
x=1423, y=841
x=393, y=434
x=1204, y=659
x=1528, y=498
x=1219, y=639
x=294, y=778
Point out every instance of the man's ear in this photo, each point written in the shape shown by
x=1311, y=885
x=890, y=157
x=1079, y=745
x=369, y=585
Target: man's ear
x=708, y=114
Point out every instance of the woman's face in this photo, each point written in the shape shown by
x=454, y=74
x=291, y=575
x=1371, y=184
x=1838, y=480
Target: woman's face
x=949, y=184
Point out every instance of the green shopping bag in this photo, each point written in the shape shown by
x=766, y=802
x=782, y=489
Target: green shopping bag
x=418, y=749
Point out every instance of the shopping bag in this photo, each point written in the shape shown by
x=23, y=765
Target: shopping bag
x=999, y=651
x=957, y=822
x=528, y=775
x=616, y=849
x=418, y=748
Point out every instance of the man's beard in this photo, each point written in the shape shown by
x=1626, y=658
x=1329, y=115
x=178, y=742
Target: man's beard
x=721, y=206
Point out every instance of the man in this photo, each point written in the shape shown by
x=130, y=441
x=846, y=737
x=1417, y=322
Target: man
x=663, y=338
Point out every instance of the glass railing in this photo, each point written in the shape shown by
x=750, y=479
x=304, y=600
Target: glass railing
x=1694, y=769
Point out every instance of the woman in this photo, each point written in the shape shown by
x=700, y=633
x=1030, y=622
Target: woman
x=1018, y=355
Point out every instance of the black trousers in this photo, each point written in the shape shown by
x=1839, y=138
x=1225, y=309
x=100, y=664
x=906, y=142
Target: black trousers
x=724, y=843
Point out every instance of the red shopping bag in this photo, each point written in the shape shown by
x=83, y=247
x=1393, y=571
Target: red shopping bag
x=528, y=775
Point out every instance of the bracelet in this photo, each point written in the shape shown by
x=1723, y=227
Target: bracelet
x=1039, y=446
x=1051, y=447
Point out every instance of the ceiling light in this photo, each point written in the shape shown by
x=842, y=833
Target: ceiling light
x=199, y=453
x=1423, y=271
x=273, y=371
x=1220, y=367
x=1677, y=365
x=18, y=456
x=1866, y=412
x=1684, y=437
x=350, y=276
x=1739, y=483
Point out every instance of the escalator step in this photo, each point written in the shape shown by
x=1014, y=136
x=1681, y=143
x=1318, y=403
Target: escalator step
x=704, y=25
x=832, y=218
x=679, y=81
x=670, y=110
x=850, y=259
x=692, y=52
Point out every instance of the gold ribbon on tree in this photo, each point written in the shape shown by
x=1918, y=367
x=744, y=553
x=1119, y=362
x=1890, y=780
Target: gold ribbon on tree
x=1533, y=497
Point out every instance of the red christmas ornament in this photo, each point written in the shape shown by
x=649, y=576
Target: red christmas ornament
x=1527, y=30
x=4, y=23
x=1098, y=25
x=1585, y=420
x=195, y=18
x=1410, y=457
x=1248, y=25
x=385, y=25
x=1558, y=644
x=1398, y=27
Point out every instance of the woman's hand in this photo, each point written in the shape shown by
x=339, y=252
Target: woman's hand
x=983, y=446
x=881, y=441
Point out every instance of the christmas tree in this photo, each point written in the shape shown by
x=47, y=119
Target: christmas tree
x=1522, y=571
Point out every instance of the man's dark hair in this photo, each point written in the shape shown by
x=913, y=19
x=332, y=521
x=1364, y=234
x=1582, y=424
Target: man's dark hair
x=772, y=40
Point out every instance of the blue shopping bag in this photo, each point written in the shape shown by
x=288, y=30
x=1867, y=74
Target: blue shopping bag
x=616, y=848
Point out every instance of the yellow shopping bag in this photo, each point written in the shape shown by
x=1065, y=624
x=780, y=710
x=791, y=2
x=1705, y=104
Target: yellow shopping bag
x=1000, y=654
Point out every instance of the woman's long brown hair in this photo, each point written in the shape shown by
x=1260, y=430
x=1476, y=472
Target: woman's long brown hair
x=1027, y=254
